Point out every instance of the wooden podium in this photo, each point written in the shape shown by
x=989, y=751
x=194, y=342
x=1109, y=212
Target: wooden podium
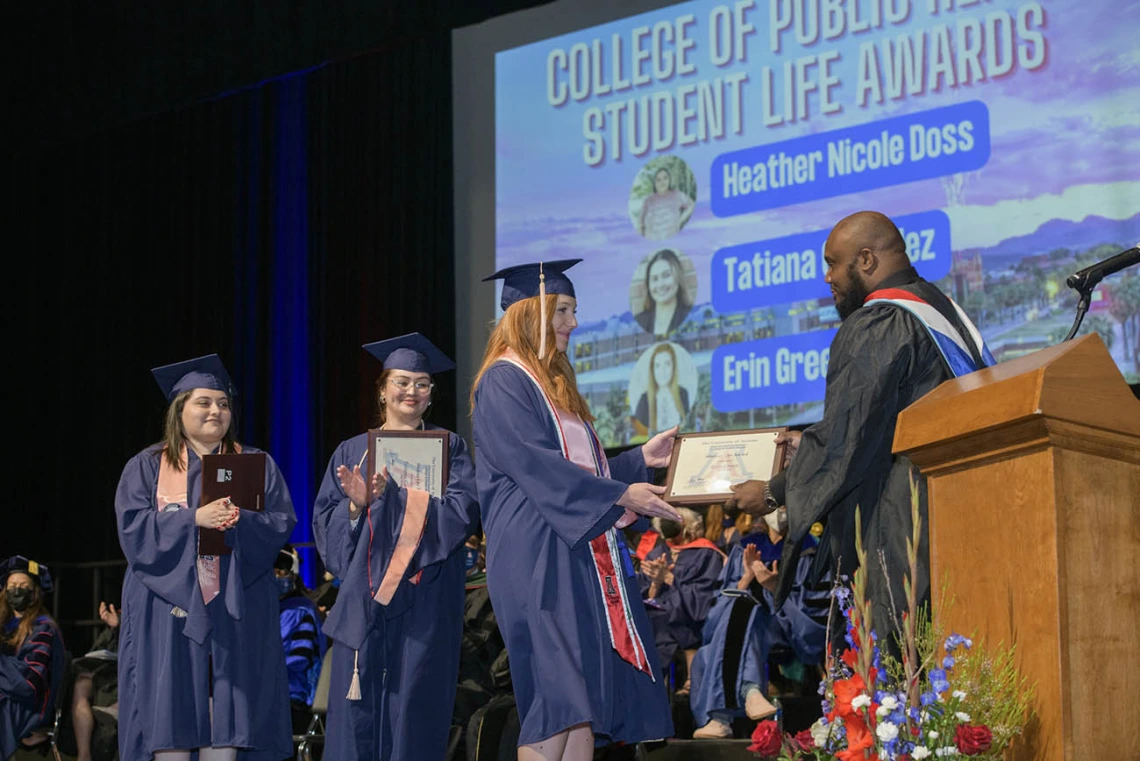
x=1033, y=471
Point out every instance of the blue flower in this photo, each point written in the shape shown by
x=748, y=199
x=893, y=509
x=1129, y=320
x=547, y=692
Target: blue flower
x=927, y=698
x=948, y=662
x=913, y=714
x=897, y=717
x=954, y=641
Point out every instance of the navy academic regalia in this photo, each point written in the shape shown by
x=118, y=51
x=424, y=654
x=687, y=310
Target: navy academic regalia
x=398, y=620
x=540, y=513
x=406, y=652
x=304, y=646
x=169, y=637
x=739, y=632
x=176, y=652
x=696, y=578
x=31, y=675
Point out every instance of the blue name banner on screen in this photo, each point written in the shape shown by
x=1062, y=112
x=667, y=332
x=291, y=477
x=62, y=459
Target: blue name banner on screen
x=771, y=371
x=918, y=146
x=791, y=268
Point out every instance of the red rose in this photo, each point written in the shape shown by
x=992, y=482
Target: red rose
x=805, y=740
x=766, y=740
x=972, y=740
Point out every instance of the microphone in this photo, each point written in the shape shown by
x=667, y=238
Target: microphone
x=1086, y=279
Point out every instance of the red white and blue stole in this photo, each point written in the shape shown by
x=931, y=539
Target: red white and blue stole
x=949, y=341
x=580, y=444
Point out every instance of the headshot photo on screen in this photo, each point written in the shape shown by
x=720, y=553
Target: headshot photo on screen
x=662, y=292
x=662, y=199
x=661, y=388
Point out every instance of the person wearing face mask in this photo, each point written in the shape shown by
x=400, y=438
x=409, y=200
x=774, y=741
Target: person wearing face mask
x=667, y=302
x=901, y=338
x=665, y=403
x=398, y=619
x=301, y=637
x=664, y=211
x=558, y=570
x=198, y=634
x=31, y=655
x=730, y=671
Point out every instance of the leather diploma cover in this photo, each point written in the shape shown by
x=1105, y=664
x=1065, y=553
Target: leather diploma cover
x=241, y=477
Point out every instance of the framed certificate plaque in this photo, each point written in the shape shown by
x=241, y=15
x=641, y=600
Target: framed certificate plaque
x=705, y=465
x=414, y=459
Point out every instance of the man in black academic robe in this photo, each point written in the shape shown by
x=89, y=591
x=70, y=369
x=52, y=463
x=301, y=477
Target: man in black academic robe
x=883, y=359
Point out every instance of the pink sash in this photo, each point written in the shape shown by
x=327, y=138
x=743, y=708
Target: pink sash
x=580, y=445
x=172, y=491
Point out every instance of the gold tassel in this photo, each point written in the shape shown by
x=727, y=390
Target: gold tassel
x=542, y=307
x=354, y=687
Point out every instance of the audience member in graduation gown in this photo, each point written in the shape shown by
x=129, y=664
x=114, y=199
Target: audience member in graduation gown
x=398, y=619
x=883, y=359
x=301, y=637
x=31, y=655
x=199, y=644
x=558, y=572
x=730, y=675
x=684, y=590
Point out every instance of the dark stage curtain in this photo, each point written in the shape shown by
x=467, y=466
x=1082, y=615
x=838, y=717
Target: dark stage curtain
x=281, y=226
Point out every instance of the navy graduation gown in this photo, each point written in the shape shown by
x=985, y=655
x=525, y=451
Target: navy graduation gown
x=29, y=682
x=165, y=657
x=696, y=580
x=540, y=512
x=739, y=635
x=407, y=651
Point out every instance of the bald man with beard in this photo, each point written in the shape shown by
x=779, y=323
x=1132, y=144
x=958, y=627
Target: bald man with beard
x=900, y=338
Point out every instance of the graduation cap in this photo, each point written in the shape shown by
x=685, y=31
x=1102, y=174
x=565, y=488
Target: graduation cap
x=413, y=353
x=20, y=564
x=524, y=281
x=288, y=560
x=203, y=372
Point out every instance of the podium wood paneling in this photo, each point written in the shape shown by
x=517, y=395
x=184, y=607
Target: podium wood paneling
x=1033, y=470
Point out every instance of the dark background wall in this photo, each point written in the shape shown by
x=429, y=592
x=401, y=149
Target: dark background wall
x=177, y=191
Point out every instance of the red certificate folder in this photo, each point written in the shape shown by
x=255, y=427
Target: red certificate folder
x=241, y=477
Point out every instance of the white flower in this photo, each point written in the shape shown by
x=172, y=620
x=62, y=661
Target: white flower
x=948, y=750
x=890, y=702
x=963, y=717
x=861, y=701
x=819, y=733
x=959, y=694
x=882, y=711
x=887, y=731
x=923, y=717
x=932, y=734
x=920, y=752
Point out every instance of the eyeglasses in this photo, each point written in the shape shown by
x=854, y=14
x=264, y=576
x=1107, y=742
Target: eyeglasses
x=421, y=387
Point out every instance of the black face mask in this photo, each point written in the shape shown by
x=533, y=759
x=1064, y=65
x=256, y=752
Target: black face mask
x=20, y=598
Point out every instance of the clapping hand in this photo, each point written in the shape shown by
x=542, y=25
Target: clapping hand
x=658, y=571
x=751, y=555
x=769, y=578
x=352, y=482
x=109, y=615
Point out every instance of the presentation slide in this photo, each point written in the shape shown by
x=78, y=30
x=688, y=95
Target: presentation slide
x=697, y=156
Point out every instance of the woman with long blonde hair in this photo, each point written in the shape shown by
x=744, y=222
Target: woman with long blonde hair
x=560, y=577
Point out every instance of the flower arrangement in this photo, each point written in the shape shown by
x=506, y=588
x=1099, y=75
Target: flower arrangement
x=944, y=697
